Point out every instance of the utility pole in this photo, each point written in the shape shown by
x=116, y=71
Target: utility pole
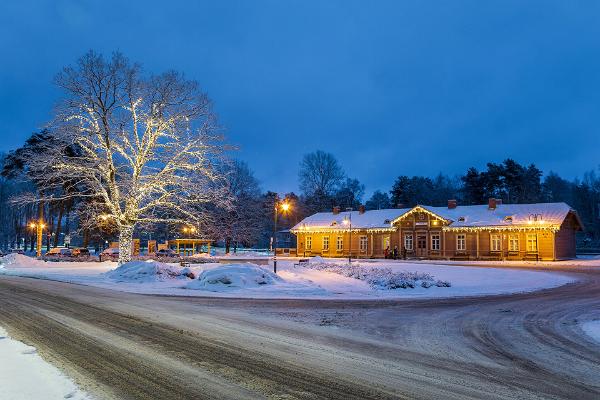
x=285, y=207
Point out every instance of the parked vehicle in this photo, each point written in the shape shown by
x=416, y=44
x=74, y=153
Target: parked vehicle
x=166, y=253
x=59, y=252
x=80, y=252
x=17, y=251
x=111, y=252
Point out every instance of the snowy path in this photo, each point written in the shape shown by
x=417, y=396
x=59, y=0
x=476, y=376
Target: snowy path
x=24, y=375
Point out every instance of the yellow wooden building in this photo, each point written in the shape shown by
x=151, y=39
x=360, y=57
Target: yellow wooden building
x=541, y=231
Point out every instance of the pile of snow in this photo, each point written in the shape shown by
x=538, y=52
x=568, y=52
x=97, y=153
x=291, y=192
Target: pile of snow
x=234, y=276
x=15, y=260
x=24, y=375
x=147, y=271
x=378, y=278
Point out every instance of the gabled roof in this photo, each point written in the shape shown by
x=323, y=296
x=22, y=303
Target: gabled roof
x=552, y=214
x=372, y=219
x=475, y=216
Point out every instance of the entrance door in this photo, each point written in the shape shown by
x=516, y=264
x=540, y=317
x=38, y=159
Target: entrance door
x=421, y=245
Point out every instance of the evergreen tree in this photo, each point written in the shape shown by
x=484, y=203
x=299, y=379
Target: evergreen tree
x=378, y=201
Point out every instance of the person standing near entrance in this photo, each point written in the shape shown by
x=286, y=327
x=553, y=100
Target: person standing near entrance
x=395, y=253
x=386, y=252
x=403, y=253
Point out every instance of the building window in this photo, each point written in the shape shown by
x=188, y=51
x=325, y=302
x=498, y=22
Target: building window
x=532, y=245
x=408, y=241
x=435, y=241
x=495, y=242
x=309, y=243
x=513, y=243
x=339, y=243
x=362, y=244
x=325, y=243
x=386, y=242
x=461, y=242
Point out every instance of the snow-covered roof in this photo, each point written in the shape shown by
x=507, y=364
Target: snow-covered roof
x=504, y=215
x=372, y=219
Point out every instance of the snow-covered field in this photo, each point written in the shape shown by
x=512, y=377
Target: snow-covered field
x=592, y=329
x=25, y=375
x=322, y=279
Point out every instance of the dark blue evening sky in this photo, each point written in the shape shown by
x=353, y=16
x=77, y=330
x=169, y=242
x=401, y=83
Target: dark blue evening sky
x=389, y=87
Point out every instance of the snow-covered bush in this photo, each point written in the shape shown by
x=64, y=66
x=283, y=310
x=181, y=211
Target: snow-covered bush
x=234, y=275
x=147, y=271
x=378, y=278
x=16, y=260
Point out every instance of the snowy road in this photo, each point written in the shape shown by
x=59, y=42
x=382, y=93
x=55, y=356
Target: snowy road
x=131, y=346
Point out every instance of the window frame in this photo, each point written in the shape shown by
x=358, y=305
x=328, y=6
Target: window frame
x=528, y=242
x=409, y=241
x=325, y=245
x=339, y=243
x=363, y=243
x=512, y=239
x=308, y=243
x=436, y=241
x=495, y=239
x=461, y=242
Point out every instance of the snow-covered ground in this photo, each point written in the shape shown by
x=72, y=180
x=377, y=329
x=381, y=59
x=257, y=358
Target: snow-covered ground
x=592, y=329
x=25, y=375
x=252, y=281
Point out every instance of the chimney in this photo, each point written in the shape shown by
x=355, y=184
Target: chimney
x=498, y=202
x=361, y=209
x=491, y=203
x=336, y=210
x=452, y=204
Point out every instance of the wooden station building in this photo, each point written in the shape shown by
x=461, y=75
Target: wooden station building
x=541, y=231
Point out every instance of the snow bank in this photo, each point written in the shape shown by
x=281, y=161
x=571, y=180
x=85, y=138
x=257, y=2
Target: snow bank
x=15, y=260
x=146, y=271
x=379, y=278
x=24, y=375
x=234, y=276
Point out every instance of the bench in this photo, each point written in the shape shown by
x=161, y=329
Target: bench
x=303, y=262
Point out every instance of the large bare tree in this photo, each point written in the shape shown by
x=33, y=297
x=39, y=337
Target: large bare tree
x=146, y=148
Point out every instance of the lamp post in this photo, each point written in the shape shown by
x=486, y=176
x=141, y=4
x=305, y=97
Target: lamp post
x=348, y=221
x=285, y=207
x=39, y=227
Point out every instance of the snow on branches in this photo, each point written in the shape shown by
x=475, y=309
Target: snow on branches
x=145, y=149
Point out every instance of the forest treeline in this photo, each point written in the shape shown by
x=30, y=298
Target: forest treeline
x=323, y=184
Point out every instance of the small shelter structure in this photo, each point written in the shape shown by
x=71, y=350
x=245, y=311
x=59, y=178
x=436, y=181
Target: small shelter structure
x=190, y=246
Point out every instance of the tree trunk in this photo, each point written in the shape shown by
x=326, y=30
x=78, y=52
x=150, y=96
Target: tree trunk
x=227, y=245
x=58, y=224
x=125, y=241
x=86, y=237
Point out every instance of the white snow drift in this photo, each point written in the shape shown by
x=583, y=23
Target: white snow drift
x=145, y=271
x=24, y=375
x=235, y=276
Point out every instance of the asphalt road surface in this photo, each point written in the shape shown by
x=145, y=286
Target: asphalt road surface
x=127, y=346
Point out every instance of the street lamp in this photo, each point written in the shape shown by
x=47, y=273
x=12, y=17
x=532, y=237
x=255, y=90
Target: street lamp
x=39, y=227
x=285, y=207
x=348, y=221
